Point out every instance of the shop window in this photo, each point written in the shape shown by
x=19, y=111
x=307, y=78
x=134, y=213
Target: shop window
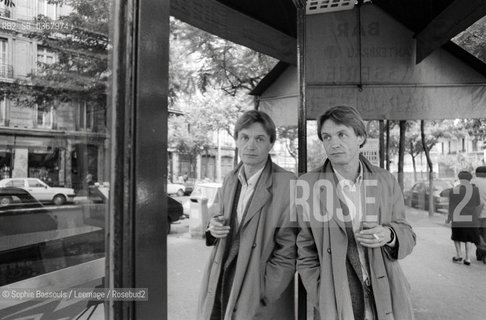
x=57, y=248
x=84, y=163
x=44, y=165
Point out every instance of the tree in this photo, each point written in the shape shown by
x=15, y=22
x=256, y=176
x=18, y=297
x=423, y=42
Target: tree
x=315, y=154
x=401, y=150
x=205, y=113
x=414, y=146
x=431, y=168
x=80, y=70
x=288, y=135
x=210, y=79
x=8, y=3
x=218, y=63
x=187, y=141
x=435, y=131
x=476, y=128
x=473, y=39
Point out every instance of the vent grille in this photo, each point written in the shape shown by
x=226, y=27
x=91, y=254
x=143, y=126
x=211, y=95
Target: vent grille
x=324, y=6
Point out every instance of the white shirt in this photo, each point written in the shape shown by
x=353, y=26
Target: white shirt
x=352, y=194
x=247, y=189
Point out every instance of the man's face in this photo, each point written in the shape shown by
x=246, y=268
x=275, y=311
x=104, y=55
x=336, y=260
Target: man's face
x=341, y=142
x=253, y=145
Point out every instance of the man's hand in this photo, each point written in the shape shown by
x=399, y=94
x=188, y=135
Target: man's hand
x=217, y=227
x=373, y=237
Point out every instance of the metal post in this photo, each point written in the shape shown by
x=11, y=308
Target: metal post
x=382, y=143
x=137, y=256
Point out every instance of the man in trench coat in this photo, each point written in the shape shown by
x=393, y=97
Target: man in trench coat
x=353, y=229
x=252, y=264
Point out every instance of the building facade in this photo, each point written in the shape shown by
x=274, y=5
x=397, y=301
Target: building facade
x=60, y=143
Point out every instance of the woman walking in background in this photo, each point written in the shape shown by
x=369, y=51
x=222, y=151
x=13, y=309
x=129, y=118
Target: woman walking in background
x=480, y=182
x=464, y=202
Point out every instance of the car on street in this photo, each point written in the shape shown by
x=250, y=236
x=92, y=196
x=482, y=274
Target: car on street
x=176, y=189
x=189, y=185
x=174, y=211
x=21, y=213
x=418, y=195
x=40, y=190
x=35, y=241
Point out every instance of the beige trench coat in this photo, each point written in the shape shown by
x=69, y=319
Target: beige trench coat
x=266, y=259
x=322, y=248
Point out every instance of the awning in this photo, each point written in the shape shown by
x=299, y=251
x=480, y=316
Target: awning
x=376, y=72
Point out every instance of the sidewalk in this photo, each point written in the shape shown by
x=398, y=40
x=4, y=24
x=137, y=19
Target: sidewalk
x=186, y=259
x=440, y=289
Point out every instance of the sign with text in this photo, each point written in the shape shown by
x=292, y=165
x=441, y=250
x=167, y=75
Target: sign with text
x=365, y=58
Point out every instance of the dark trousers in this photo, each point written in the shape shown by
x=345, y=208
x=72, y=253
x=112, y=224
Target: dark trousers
x=223, y=290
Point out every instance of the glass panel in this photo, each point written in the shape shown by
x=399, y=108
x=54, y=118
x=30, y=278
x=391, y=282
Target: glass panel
x=52, y=230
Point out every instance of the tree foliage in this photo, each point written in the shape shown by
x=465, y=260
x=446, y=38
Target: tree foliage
x=201, y=60
x=80, y=43
x=289, y=136
x=209, y=81
x=8, y=3
x=473, y=39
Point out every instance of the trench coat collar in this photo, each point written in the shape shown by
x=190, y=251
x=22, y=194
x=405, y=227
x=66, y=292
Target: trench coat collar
x=261, y=194
x=371, y=192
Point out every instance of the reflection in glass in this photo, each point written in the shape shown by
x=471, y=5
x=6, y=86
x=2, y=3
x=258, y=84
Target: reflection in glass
x=54, y=152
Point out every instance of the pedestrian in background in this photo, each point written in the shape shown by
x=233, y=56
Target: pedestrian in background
x=464, y=203
x=252, y=265
x=353, y=229
x=480, y=182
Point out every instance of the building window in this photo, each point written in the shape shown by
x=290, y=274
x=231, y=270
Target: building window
x=4, y=67
x=475, y=145
x=43, y=117
x=47, y=9
x=3, y=110
x=44, y=57
x=85, y=116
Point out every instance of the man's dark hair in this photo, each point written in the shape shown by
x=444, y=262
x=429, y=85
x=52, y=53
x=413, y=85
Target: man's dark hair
x=345, y=115
x=255, y=116
x=465, y=175
x=481, y=171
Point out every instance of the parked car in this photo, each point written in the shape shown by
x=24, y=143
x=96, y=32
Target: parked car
x=34, y=242
x=189, y=185
x=208, y=190
x=174, y=211
x=418, y=195
x=176, y=188
x=40, y=190
x=21, y=213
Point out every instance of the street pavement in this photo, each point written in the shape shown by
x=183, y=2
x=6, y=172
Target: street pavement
x=441, y=289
